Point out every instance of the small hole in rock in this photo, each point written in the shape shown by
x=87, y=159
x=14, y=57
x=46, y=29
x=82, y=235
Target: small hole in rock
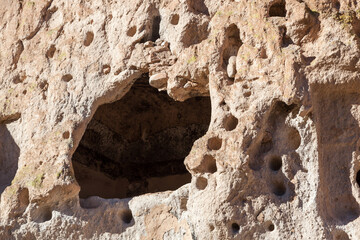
x=336, y=4
x=209, y=162
x=43, y=85
x=51, y=51
x=45, y=215
x=235, y=228
x=89, y=37
x=214, y=143
x=230, y=122
x=201, y=183
x=174, y=19
x=247, y=94
x=275, y=163
x=211, y=227
x=278, y=9
x=66, y=135
x=358, y=178
x=131, y=31
x=269, y=226
x=67, y=77
x=279, y=188
x=24, y=92
x=106, y=69
x=126, y=216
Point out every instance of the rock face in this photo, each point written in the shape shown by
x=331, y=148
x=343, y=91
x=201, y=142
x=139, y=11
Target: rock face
x=180, y=119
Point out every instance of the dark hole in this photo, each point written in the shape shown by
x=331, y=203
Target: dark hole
x=89, y=37
x=201, y=183
x=126, y=216
x=44, y=215
x=131, y=31
x=278, y=9
x=138, y=144
x=214, y=143
x=271, y=227
x=275, y=163
x=209, y=164
x=211, y=227
x=358, y=178
x=279, y=188
x=174, y=19
x=234, y=43
x=155, y=28
x=230, y=122
x=67, y=77
x=235, y=228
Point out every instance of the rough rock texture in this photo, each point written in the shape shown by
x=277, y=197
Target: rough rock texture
x=279, y=158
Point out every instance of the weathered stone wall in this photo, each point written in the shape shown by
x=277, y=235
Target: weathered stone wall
x=280, y=157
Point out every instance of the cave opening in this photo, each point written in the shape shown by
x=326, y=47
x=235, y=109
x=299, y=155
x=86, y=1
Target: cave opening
x=137, y=144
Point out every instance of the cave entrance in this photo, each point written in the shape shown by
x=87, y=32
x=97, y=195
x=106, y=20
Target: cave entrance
x=137, y=145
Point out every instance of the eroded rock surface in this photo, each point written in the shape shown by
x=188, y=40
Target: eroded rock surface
x=247, y=112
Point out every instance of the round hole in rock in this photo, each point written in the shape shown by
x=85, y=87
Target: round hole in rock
x=126, y=216
x=131, y=31
x=174, y=19
x=275, y=163
x=247, y=94
x=89, y=37
x=235, y=228
x=67, y=77
x=269, y=226
x=279, y=188
x=66, y=135
x=138, y=144
x=230, y=122
x=214, y=143
x=209, y=163
x=201, y=183
x=211, y=227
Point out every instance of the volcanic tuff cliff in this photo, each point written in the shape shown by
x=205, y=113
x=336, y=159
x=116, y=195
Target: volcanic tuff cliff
x=179, y=119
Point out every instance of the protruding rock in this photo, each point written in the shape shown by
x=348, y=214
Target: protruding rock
x=158, y=80
x=231, y=67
